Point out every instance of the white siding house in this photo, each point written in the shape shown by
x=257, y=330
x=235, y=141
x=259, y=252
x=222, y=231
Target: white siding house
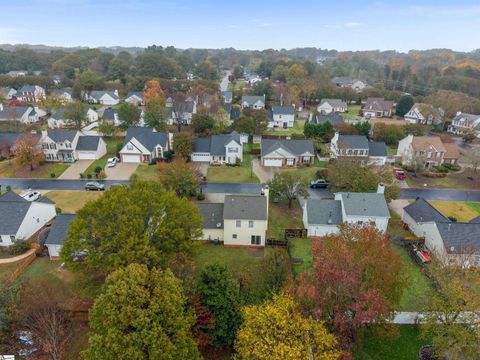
x=223, y=149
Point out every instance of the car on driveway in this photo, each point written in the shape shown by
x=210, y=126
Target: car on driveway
x=399, y=174
x=111, y=162
x=319, y=184
x=94, y=185
x=31, y=195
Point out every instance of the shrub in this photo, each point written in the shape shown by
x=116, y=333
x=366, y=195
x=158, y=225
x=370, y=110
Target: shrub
x=82, y=176
x=58, y=210
x=238, y=162
x=52, y=175
x=102, y=175
x=89, y=176
x=452, y=167
x=452, y=218
x=41, y=162
x=8, y=188
x=430, y=174
x=321, y=173
x=19, y=247
x=97, y=170
x=441, y=169
x=200, y=197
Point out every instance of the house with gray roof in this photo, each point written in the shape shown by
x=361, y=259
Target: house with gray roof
x=20, y=219
x=102, y=97
x=218, y=149
x=59, y=120
x=135, y=98
x=212, y=215
x=352, y=83
x=64, y=94
x=110, y=116
x=281, y=116
x=328, y=106
x=463, y=123
x=31, y=93
x=23, y=114
x=358, y=147
x=71, y=145
x=253, y=102
x=7, y=92
x=57, y=235
x=227, y=97
x=145, y=145
x=8, y=140
x=455, y=243
x=322, y=217
x=377, y=107
x=332, y=117
x=286, y=152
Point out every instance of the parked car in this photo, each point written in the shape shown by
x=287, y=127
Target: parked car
x=399, y=174
x=31, y=195
x=319, y=184
x=111, y=162
x=94, y=185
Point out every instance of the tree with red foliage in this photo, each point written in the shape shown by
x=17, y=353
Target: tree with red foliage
x=355, y=280
x=152, y=90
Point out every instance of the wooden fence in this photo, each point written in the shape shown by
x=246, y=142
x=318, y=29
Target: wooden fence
x=276, y=242
x=295, y=233
x=21, y=267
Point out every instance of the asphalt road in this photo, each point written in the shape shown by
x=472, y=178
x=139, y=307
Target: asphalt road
x=53, y=184
x=231, y=188
x=440, y=194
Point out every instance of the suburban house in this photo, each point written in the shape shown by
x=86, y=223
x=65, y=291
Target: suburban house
x=377, y=107
x=425, y=114
x=7, y=92
x=8, y=140
x=328, y=106
x=227, y=97
x=452, y=242
x=23, y=114
x=110, y=115
x=184, y=111
x=57, y=120
x=218, y=149
x=144, y=145
x=285, y=152
x=281, y=116
x=347, y=82
x=71, y=145
x=428, y=150
x=322, y=217
x=332, y=117
x=463, y=123
x=253, y=102
x=102, y=97
x=21, y=218
x=57, y=235
x=135, y=98
x=359, y=148
x=242, y=220
x=63, y=94
x=31, y=93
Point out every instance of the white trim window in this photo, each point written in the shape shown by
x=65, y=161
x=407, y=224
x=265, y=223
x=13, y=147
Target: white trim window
x=238, y=223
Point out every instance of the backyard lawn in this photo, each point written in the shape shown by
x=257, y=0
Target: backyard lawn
x=8, y=169
x=280, y=217
x=352, y=113
x=243, y=173
x=462, y=211
x=147, y=172
x=70, y=201
x=301, y=249
x=297, y=128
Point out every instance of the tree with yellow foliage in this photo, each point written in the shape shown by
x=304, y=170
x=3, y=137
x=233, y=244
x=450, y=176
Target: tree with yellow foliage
x=276, y=330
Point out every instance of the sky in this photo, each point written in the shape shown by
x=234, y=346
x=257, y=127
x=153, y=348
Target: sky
x=248, y=24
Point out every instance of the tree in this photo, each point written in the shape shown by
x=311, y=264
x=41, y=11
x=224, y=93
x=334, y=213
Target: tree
x=244, y=124
x=404, y=105
x=238, y=72
x=125, y=226
x=76, y=113
x=275, y=329
x=129, y=115
x=263, y=88
x=259, y=119
x=390, y=134
x=117, y=70
x=180, y=176
x=473, y=157
x=88, y=81
x=317, y=130
x=363, y=128
x=350, y=286
x=451, y=319
x=220, y=292
x=154, y=115
x=469, y=136
x=26, y=151
x=183, y=144
x=207, y=70
x=152, y=90
x=202, y=122
x=107, y=129
x=350, y=175
x=288, y=186
x=141, y=314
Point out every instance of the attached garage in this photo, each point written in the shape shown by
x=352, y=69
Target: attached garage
x=87, y=155
x=90, y=147
x=272, y=162
x=130, y=158
x=201, y=157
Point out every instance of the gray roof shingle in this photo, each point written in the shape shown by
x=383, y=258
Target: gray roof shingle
x=365, y=204
x=9, y=138
x=59, y=231
x=88, y=143
x=326, y=212
x=60, y=136
x=14, y=112
x=212, y=214
x=422, y=211
x=334, y=118
x=377, y=148
x=252, y=99
x=336, y=103
x=352, y=142
x=109, y=114
x=460, y=238
x=238, y=207
x=13, y=209
x=283, y=110
x=295, y=147
x=147, y=137
x=215, y=144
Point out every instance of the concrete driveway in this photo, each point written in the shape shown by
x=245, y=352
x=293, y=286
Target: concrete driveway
x=121, y=171
x=264, y=174
x=74, y=171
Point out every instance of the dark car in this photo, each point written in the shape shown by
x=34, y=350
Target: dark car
x=94, y=185
x=319, y=184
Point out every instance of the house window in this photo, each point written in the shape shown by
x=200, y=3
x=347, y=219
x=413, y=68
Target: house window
x=306, y=159
x=255, y=240
x=234, y=236
x=359, y=222
x=45, y=146
x=250, y=223
x=232, y=150
x=12, y=238
x=238, y=223
x=53, y=146
x=290, y=162
x=429, y=154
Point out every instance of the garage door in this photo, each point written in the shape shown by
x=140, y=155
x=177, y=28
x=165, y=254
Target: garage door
x=272, y=162
x=130, y=158
x=201, y=157
x=82, y=155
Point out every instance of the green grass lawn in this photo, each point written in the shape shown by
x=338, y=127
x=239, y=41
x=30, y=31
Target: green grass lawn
x=8, y=169
x=280, y=217
x=391, y=151
x=242, y=173
x=373, y=345
x=147, y=172
x=100, y=162
x=475, y=206
x=70, y=201
x=352, y=113
x=297, y=128
x=301, y=248
x=462, y=211
x=112, y=144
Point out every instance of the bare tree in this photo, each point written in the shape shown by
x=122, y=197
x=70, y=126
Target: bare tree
x=473, y=157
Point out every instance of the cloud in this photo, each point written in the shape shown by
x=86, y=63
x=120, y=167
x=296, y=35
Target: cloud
x=352, y=24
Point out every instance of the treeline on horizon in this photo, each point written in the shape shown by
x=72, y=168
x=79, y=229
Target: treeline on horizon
x=442, y=77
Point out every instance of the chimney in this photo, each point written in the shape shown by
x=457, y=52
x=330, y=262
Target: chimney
x=266, y=193
x=1, y=107
x=381, y=188
x=115, y=92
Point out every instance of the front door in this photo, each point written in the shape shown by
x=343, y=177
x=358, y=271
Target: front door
x=256, y=239
x=285, y=125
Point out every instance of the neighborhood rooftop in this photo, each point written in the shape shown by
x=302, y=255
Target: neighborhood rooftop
x=13, y=209
x=148, y=137
x=212, y=215
x=365, y=204
x=296, y=147
x=327, y=212
x=59, y=231
x=423, y=211
x=246, y=207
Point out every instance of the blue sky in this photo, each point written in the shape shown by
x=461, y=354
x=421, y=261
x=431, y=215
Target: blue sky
x=247, y=24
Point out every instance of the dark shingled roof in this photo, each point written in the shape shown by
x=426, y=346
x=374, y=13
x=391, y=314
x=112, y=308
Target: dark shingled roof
x=283, y=109
x=377, y=148
x=88, y=143
x=364, y=204
x=13, y=209
x=460, y=238
x=238, y=207
x=14, y=112
x=352, y=142
x=422, y=211
x=475, y=220
x=325, y=212
x=60, y=136
x=109, y=114
x=59, y=231
x=334, y=118
x=147, y=137
x=234, y=113
x=295, y=147
x=215, y=144
x=9, y=138
x=212, y=214
x=45, y=200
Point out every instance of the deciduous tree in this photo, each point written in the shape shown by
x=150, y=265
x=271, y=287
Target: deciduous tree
x=202, y=122
x=404, y=105
x=76, y=114
x=288, y=186
x=183, y=144
x=26, y=151
x=180, y=176
x=129, y=115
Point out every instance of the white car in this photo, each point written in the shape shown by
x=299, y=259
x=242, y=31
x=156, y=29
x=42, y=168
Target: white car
x=111, y=162
x=31, y=195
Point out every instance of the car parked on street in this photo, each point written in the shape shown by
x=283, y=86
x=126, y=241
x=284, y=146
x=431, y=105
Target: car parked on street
x=95, y=186
x=319, y=184
x=399, y=174
x=111, y=162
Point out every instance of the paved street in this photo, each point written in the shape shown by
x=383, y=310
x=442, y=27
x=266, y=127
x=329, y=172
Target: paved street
x=224, y=82
x=440, y=194
x=231, y=188
x=52, y=184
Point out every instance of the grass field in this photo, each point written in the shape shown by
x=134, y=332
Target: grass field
x=70, y=201
x=462, y=211
x=297, y=128
x=242, y=173
x=391, y=151
x=352, y=113
x=301, y=248
x=147, y=172
x=8, y=169
x=280, y=217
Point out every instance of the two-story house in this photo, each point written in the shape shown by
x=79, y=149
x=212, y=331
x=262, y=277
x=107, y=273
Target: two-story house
x=23, y=114
x=31, y=93
x=286, y=152
x=328, y=106
x=58, y=119
x=425, y=114
x=253, y=102
x=427, y=150
x=463, y=123
x=62, y=94
x=357, y=147
x=218, y=149
x=182, y=111
x=282, y=116
x=144, y=145
x=322, y=217
x=71, y=145
x=135, y=98
x=377, y=107
x=7, y=92
x=102, y=97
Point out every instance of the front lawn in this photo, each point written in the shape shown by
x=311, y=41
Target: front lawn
x=468, y=179
x=241, y=174
x=460, y=210
x=147, y=172
x=100, y=162
x=8, y=169
x=112, y=147
x=70, y=201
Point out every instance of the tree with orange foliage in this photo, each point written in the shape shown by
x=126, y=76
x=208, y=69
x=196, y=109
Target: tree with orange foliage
x=154, y=105
x=152, y=89
x=26, y=151
x=355, y=280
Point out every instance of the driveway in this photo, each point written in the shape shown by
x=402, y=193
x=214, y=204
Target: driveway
x=264, y=174
x=398, y=205
x=121, y=171
x=74, y=170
